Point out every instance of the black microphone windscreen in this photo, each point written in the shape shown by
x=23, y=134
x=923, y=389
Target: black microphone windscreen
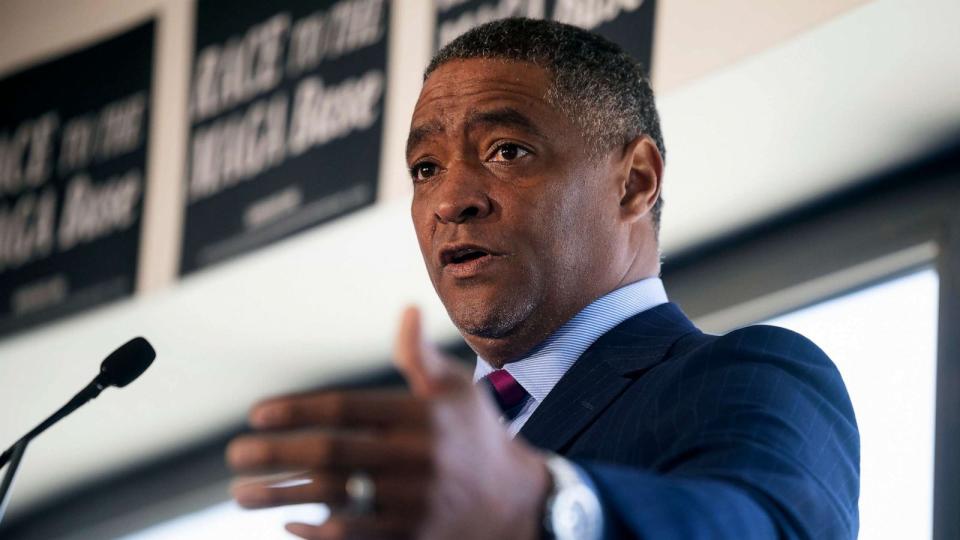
x=127, y=363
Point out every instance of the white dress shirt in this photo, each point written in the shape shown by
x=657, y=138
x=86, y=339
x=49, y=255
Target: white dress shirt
x=540, y=370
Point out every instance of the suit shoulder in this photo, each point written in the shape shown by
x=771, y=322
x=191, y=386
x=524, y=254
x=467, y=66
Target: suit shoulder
x=772, y=341
x=771, y=351
x=756, y=344
x=762, y=351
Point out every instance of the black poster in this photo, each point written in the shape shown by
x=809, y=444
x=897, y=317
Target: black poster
x=628, y=23
x=73, y=145
x=286, y=113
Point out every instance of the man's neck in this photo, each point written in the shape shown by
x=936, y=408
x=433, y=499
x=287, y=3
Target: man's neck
x=526, y=336
x=500, y=351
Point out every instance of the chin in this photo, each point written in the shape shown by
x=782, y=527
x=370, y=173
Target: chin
x=488, y=319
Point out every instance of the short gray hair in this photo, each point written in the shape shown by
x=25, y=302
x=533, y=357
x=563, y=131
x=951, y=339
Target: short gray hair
x=598, y=85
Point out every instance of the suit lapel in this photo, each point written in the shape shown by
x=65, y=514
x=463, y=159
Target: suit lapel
x=602, y=373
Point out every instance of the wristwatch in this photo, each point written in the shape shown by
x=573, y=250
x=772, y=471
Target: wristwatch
x=573, y=510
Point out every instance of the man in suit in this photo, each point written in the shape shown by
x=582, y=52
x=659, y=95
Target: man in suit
x=537, y=162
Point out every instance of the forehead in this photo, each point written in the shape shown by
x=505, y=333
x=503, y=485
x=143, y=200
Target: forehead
x=460, y=87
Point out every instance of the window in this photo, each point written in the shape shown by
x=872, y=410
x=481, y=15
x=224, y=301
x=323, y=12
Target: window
x=228, y=520
x=884, y=342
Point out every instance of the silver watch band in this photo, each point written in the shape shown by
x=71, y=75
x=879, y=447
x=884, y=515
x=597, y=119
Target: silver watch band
x=573, y=510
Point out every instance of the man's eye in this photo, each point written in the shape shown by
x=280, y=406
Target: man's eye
x=423, y=171
x=509, y=152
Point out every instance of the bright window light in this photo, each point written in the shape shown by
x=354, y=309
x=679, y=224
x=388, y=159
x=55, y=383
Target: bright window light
x=228, y=520
x=884, y=342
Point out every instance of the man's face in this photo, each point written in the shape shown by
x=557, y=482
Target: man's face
x=515, y=221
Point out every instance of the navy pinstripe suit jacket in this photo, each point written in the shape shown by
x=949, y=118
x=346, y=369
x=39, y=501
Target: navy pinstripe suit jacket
x=748, y=435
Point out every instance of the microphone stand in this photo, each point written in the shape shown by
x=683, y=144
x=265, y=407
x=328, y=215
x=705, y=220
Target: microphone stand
x=119, y=369
x=16, y=454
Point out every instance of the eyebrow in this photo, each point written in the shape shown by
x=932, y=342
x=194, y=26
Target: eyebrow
x=422, y=132
x=505, y=116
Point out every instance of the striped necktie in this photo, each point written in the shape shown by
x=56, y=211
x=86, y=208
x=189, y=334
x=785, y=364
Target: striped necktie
x=507, y=392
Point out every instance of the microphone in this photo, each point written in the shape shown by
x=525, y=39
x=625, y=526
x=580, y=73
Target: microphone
x=119, y=369
x=127, y=363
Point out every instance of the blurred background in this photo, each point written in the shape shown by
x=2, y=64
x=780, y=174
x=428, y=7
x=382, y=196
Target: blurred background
x=227, y=179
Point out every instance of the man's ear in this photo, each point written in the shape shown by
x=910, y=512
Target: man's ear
x=643, y=179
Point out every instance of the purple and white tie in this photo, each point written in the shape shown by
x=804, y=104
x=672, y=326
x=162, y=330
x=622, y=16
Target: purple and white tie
x=507, y=392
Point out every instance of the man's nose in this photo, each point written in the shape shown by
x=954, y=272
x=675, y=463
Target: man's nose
x=462, y=198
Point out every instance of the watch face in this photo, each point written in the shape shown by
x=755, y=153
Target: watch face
x=575, y=514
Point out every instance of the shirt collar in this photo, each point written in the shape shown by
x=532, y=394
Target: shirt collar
x=540, y=370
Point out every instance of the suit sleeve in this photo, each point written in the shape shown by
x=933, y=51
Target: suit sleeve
x=757, y=439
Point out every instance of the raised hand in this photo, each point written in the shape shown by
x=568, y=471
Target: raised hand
x=440, y=463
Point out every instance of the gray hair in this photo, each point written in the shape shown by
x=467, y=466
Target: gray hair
x=596, y=84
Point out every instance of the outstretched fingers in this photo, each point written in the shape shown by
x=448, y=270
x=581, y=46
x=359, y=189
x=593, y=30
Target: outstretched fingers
x=375, y=409
x=333, y=451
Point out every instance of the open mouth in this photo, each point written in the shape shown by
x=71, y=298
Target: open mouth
x=462, y=255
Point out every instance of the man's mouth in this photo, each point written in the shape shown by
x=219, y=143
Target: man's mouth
x=464, y=260
x=461, y=254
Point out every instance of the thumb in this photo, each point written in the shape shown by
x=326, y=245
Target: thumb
x=421, y=363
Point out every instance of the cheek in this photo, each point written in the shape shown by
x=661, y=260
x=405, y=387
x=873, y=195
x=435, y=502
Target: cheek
x=547, y=227
x=424, y=228
x=584, y=227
